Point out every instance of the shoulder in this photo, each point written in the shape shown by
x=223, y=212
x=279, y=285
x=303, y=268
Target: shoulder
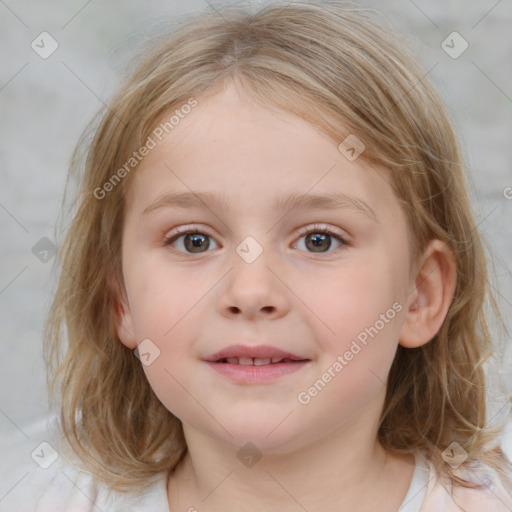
x=490, y=496
x=67, y=489
x=58, y=488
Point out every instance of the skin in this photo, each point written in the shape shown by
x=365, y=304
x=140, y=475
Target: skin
x=319, y=456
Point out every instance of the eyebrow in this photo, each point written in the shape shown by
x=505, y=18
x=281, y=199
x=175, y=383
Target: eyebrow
x=283, y=204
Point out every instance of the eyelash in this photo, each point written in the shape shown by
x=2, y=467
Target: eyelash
x=317, y=229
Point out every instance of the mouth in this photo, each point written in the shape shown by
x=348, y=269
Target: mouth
x=257, y=355
x=257, y=361
x=255, y=365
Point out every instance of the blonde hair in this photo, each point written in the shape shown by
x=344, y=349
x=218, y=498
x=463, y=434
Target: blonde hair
x=345, y=73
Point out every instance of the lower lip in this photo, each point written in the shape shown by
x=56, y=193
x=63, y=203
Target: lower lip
x=250, y=374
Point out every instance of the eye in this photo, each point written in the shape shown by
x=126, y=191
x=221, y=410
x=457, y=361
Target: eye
x=319, y=239
x=194, y=241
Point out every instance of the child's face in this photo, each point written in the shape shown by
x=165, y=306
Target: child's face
x=307, y=295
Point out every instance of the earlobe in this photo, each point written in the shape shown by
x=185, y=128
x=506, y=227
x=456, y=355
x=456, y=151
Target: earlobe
x=431, y=296
x=123, y=318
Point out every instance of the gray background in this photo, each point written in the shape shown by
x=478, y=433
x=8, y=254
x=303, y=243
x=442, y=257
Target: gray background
x=46, y=103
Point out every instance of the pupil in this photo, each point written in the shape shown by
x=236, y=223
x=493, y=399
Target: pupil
x=318, y=239
x=194, y=241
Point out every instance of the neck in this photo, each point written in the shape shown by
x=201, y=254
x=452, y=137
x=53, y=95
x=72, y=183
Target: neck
x=335, y=471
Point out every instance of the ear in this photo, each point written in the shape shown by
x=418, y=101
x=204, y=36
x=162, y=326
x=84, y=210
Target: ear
x=123, y=317
x=434, y=286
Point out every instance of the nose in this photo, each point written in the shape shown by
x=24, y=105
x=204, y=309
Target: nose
x=254, y=289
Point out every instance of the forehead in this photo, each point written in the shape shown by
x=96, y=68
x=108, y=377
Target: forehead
x=251, y=156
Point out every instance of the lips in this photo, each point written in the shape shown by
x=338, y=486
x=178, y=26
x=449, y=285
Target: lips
x=258, y=365
x=255, y=361
x=259, y=355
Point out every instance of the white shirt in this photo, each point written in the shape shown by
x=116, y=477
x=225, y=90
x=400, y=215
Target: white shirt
x=67, y=490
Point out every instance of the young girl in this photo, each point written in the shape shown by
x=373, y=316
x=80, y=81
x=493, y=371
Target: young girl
x=273, y=286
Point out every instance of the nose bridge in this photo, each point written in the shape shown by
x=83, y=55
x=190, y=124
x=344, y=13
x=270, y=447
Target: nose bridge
x=251, y=261
x=252, y=285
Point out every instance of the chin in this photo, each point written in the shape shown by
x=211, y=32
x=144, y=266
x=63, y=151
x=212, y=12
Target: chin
x=269, y=435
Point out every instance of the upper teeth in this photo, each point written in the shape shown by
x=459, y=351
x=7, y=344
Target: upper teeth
x=256, y=361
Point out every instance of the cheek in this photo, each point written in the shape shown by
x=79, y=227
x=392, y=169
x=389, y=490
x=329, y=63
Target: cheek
x=161, y=297
x=362, y=310
x=168, y=310
x=365, y=313
x=354, y=299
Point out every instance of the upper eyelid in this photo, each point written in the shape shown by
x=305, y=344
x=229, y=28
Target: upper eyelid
x=181, y=231
x=321, y=227
x=307, y=228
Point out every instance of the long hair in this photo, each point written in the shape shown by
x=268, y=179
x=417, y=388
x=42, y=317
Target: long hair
x=345, y=72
